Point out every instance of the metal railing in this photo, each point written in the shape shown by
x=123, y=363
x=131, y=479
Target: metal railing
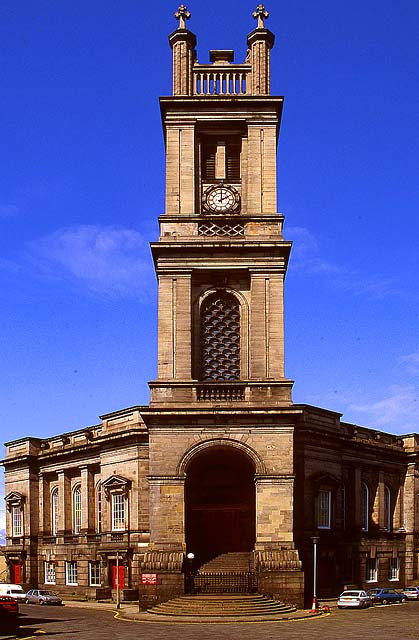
x=223, y=582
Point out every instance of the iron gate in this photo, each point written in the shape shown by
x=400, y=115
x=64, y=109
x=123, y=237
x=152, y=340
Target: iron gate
x=228, y=582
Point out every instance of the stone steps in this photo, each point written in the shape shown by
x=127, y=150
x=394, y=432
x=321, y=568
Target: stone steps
x=221, y=606
x=234, y=562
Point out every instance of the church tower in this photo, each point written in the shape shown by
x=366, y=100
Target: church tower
x=221, y=258
x=219, y=421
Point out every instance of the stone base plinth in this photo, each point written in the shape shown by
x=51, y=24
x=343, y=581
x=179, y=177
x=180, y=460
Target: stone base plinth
x=169, y=585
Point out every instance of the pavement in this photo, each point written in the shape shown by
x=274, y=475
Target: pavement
x=130, y=611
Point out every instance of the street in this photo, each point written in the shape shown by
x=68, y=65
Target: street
x=384, y=622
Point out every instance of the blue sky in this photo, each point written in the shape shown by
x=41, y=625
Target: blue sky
x=82, y=184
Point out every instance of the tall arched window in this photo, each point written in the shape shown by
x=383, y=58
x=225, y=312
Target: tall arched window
x=220, y=338
x=77, y=510
x=365, y=505
x=54, y=511
x=387, y=508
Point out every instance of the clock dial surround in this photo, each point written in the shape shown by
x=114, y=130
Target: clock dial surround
x=221, y=199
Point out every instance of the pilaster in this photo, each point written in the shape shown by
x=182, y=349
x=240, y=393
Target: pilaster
x=64, y=503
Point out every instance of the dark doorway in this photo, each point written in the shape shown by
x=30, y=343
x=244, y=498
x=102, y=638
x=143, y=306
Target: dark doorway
x=219, y=503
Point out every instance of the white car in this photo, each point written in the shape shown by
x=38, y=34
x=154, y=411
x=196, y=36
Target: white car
x=14, y=590
x=412, y=593
x=354, y=598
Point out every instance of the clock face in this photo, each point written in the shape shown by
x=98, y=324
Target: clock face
x=221, y=199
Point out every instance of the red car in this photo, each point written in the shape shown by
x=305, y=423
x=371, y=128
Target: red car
x=8, y=607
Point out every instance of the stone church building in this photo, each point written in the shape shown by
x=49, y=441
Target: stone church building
x=221, y=463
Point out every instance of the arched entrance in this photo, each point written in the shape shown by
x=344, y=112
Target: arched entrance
x=219, y=503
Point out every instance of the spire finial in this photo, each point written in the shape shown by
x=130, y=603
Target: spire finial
x=260, y=15
x=182, y=14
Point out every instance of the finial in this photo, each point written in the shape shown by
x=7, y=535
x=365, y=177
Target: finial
x=260, y=15
x=182, y=14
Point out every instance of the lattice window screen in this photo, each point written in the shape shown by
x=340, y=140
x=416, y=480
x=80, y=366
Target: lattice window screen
x=220, y=339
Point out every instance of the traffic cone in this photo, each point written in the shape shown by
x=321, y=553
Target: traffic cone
x=314, y=607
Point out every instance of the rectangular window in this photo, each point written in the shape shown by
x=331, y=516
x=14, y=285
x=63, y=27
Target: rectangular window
x=394, y=569
x=16, y=521
x=118, y=512
x=49, y=572
x=323, y=509
x=71, y=573
x=372, y=570
x=94, y=574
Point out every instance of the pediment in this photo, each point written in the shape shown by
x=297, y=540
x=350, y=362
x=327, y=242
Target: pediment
x=14, y=498
x=116, y=483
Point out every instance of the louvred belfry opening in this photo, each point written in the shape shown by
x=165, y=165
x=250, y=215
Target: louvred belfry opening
x=220, y=338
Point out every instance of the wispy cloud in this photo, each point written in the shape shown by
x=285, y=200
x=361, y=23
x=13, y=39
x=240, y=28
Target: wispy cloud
x=412, y=362
x=106, y=260
x=307, y=257
x=398, y=409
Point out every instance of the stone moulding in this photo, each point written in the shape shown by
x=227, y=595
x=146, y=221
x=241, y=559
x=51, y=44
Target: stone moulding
x=162, y=561
x=283, y=559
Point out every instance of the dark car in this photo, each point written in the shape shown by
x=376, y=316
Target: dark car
x=386, y=596
x=41, y=596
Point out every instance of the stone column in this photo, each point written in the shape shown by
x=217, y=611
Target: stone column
x=167, y=528
x=174, y=340
x=88, y=502
x=378, y=514
x=266, y=326
x=260, y=42
x=261, y=178
x=410, y=521
x=357, y=498
x=276, y=559
x=167, y=541
x=183, y=43
x=43, y=507
x=180, y=168
x=64, y=503
x=274, y=511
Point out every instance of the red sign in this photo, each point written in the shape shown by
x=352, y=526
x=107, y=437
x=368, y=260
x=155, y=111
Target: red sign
x=149, y=578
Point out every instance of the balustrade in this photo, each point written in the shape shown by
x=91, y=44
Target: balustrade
x=227, y=81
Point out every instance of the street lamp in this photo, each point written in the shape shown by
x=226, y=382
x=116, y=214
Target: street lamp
x=189, y=580
x=314, y=607
x=118, y=594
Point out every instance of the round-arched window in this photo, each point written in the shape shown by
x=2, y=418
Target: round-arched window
x=220, y=338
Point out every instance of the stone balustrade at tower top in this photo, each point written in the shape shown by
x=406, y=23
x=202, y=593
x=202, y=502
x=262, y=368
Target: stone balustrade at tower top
x=221, y=77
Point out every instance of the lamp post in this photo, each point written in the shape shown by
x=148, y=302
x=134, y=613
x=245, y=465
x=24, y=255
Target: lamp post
x=314, y=606
x=189, y=572
x=118, y=594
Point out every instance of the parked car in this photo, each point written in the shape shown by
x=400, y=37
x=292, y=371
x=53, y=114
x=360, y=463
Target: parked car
x=16, y=591
x=41, y=596
x=9, y=610
x=354, y=598
x=411, y=593
x=8, y=607
x=386, y=596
